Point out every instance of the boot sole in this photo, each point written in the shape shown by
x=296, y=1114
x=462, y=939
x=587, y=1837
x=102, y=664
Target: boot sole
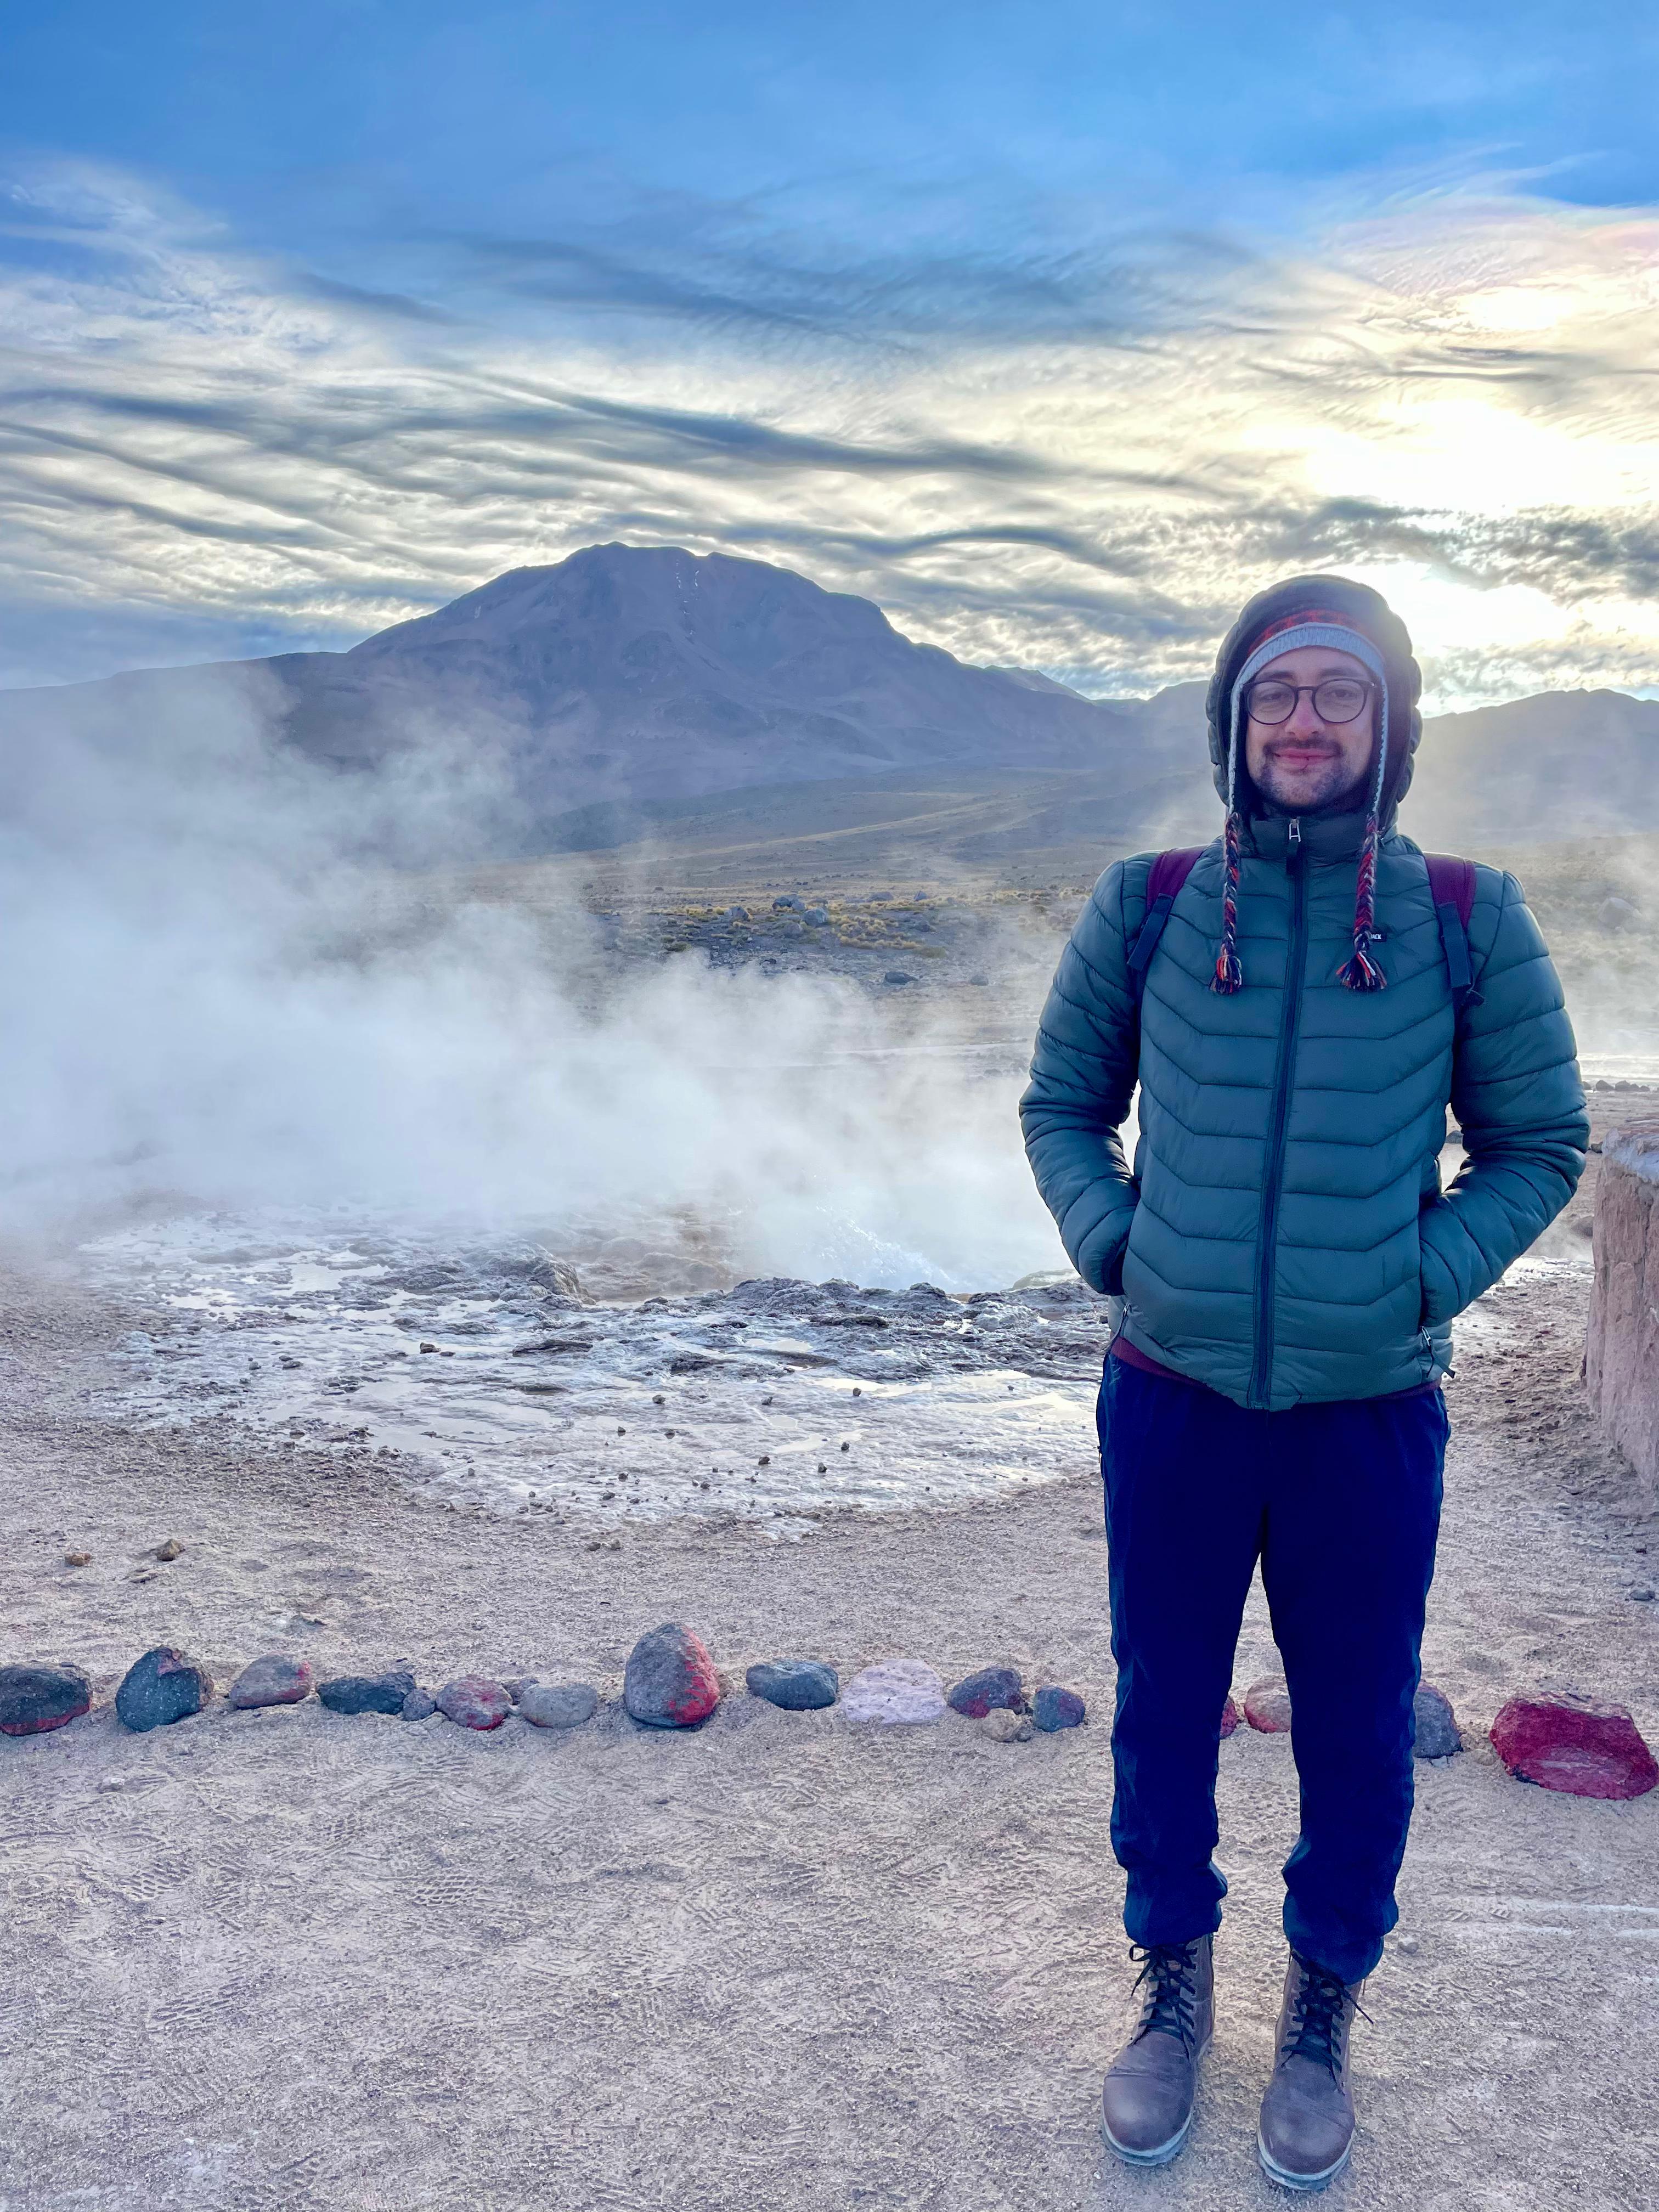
x=1304, y=2184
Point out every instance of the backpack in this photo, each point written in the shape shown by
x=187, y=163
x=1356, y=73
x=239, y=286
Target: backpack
x=1451, y=886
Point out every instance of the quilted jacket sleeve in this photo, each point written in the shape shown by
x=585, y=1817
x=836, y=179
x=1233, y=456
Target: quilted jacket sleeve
x=1519, y=1102
x=1083, y=1078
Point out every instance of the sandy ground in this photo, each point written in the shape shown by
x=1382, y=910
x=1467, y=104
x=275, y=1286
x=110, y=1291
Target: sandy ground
x=264, y=1962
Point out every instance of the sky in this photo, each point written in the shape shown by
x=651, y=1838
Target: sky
x=1056, y=330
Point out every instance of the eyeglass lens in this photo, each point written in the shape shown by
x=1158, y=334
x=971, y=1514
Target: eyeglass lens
x=1339, y=699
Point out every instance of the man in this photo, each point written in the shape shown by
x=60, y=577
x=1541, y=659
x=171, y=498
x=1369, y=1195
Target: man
x=1289, y=1269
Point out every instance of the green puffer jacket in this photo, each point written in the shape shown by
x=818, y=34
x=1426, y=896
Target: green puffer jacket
x=1283, y=1236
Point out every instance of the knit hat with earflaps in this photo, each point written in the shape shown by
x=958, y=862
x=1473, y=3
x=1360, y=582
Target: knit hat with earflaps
x=1349, y=617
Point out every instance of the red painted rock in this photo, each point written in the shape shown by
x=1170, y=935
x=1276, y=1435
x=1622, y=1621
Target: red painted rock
x=474, y=1701
x=992, y=1689
x=1575, y=1745
x=270, y=1682
x=670, y=1680
x=1267, y=1705
x=36, y=1698
x=1229, y=1718
x=161, y=1688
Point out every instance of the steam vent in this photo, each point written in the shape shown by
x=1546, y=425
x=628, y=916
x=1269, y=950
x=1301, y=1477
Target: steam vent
x=1623, y=1362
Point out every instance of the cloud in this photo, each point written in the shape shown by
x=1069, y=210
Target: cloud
x=1061, y=444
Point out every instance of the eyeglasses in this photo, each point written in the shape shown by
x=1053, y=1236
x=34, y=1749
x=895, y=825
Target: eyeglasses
x=1338, y=699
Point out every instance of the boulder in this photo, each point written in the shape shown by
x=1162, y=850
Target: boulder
x=558, y=1705
x=1437, y=1736
x=367, y=1693
x=895, y=1691
x=670, y=1680
x=1054, y=1708
x=992, y=1688
x=161, y=1688
x=799, y=1685
x=1267, y=1705
x=40, y=1695
x=474, y=1701
x=1574, y=1745
x=1621, y=1357
x=270, y=1681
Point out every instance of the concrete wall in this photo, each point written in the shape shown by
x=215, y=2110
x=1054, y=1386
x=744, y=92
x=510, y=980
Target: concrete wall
x=1622, y=1364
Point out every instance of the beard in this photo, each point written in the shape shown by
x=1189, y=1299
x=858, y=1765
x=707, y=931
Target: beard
x=1325, y=787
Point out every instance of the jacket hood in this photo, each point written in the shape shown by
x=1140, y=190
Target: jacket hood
x=1369, y=613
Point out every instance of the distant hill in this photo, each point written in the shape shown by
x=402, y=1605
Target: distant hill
x=627, y=689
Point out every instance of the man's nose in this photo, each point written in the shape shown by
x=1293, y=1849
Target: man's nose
x=1304, y=723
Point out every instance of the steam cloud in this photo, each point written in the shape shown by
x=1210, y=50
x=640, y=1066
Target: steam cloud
x=224, y=994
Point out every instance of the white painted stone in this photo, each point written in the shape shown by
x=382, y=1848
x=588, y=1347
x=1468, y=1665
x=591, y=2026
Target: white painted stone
x=894, y=1690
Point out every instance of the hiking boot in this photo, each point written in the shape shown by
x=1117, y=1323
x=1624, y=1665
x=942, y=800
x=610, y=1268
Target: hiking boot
x=1307, y=2114
x=1147, y=2100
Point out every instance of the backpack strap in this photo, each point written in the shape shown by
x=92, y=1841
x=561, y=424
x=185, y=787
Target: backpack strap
x=1451, y=886
x=1168, y=873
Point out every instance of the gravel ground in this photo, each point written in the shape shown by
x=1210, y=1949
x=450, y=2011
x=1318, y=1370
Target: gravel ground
x=288, y=1959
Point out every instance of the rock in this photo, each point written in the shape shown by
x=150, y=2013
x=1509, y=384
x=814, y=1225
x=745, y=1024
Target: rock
x=161, y=1688
x=1004, y=1725
x=418, y=1705
x=1621, y=1362
x=1437, y=1736
x=558, y=1705
x=39, y=1696
x=172, y=1549
x=1056, y=1708
x=271, y=1681
x=818, y=915
x=1616, y=913
x=77, y=1559
x=1267, y=1705
x=1229, y=1718
x=895, y=1691
x=516, y=1684
x=799, y=1685
x=670, y=1680
x=897, y=975
x=1575, y=1745
x=367, y=1693
x=474, y=1701
x=976, y=1695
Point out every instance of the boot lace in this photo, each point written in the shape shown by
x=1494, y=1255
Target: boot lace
x=1169, y=1977
x=1320, y=2011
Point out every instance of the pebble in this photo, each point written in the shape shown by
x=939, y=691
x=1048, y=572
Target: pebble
x=36, y=1697
x=894, y=1691
x=1004, y=1725
x=172, y=1549
x=418, y=1705
x=161, y=1688
x=1576, y=1744
x=978, y=1694
x=474, y=1701
x=1267, y=1705
x=84, y=1560
x=1054, y=1708
x=271, y=1681
x=558, y=1705
x=1437, y=1732
x=1229, y=1718
x=670, y=1680
x=367, y=1693
x=799, y=1685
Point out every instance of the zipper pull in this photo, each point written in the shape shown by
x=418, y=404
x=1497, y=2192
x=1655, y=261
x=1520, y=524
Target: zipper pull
x=1295, y=830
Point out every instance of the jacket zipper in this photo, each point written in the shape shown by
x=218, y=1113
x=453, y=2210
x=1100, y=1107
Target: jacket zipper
x=1290, y=1021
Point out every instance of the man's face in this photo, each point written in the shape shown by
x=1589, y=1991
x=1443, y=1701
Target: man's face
x=1312, y=763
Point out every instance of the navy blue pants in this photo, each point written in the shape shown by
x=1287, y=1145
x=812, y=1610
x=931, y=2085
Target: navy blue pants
x=1342, y=1504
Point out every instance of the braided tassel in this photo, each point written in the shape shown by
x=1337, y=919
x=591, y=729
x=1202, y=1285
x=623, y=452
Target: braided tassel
x=1362, y=973
x=1229, y=975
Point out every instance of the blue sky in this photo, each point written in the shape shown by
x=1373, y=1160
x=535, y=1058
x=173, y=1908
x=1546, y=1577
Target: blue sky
x=1054, y=328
